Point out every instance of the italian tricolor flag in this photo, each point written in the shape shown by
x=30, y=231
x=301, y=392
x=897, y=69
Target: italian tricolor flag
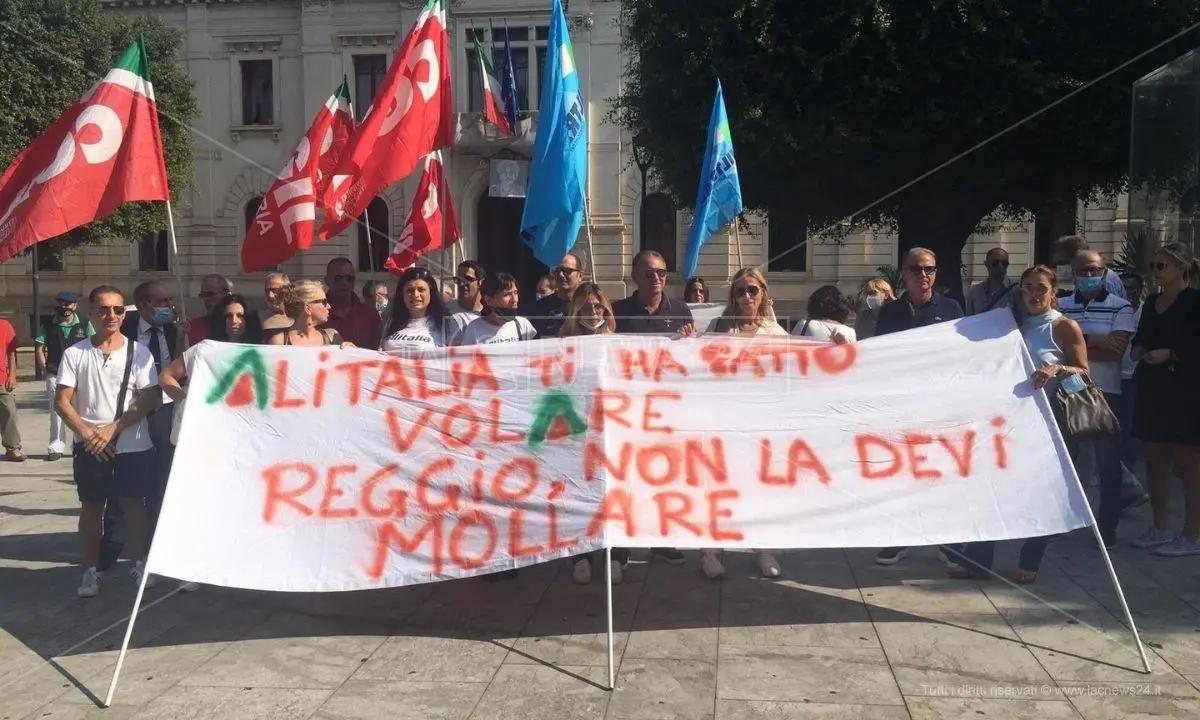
x=493, y=106
x=103, y=151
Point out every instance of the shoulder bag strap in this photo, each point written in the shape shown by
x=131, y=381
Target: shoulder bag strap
x=130, y=349
x=804, y=328
x=999, y=297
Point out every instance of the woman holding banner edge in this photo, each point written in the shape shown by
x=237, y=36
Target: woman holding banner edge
x=749, y=313
x=591, y=313
x=1059, y=351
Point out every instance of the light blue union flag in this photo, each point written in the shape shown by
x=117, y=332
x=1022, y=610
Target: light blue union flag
x=719, y=200
x=554, y=201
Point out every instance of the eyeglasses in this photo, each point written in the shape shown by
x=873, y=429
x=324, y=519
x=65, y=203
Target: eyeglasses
x=922, y=269
x=744, y=290
x=465, y=280
x=594, y=308
x=1090, y=272
x=114, y=310
x=564, y=270
x=342, y=278
x=1038, y=290
x=320, y=301
x=659, y=273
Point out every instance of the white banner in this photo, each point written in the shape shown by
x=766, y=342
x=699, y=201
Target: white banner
x=310, y=469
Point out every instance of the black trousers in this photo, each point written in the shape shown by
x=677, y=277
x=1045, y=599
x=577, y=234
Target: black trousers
x=113, y=542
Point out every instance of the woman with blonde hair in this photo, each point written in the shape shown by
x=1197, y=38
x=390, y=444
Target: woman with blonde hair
x=748, y=313
x=308, y=308
x=875, y=293
x=589, y=313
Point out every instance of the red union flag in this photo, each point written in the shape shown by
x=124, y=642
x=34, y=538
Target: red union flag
x=286, y=219
x=105, y=150
x=431, y=219
x=410, y=118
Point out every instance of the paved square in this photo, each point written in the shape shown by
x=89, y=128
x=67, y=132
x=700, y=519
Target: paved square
x=837, y=638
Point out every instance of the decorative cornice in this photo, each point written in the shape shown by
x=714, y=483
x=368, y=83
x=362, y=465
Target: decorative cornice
x=365, y=39
x=253, y=43
x=148, y=3
x=417, y=4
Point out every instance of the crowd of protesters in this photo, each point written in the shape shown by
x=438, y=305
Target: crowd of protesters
x=118, y=379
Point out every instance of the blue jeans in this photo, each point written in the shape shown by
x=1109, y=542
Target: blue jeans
x=1131, y=448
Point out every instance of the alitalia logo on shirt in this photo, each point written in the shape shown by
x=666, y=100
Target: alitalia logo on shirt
x=243, y=382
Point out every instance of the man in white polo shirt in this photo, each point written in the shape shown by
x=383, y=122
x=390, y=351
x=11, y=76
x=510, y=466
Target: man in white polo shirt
x=1107, y=324
x=106, y=386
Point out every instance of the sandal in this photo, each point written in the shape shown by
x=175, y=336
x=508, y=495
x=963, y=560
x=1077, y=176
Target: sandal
x=1025, y=577
x=958, y=572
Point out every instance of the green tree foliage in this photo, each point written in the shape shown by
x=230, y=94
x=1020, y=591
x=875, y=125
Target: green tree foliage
x=53, y=51
x=836, y=104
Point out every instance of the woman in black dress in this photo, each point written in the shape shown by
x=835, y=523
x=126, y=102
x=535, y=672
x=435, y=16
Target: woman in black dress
x=1166, y=349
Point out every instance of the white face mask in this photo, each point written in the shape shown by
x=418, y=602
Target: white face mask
x=592, y=324
x=874, y=302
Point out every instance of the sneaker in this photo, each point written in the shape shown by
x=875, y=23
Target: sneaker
x=189, y=587
x=1179, y=547
x=14, y=456
x=90, y=586
x=890, y=556
x=615, y=571
x=711, y=565
x=768, y=566
x=53, y=457
x=670, y=556
x=1152, y=538
x=137, y=571
x=583, y=572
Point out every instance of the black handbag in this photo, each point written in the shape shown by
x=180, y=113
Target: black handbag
x=1083, y=414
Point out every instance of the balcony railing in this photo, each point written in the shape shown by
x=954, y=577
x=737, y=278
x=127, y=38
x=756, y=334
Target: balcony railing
x=473, y=132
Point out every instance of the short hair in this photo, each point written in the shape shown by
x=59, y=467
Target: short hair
x=224, y=281
x=546, y=279
x=370, y=287
x=495, y=284
x=829, y=303
x=993, y=251
x=141, y=293
x=914, y=252
x=104, y=290
x=295, y=296
x=1071, y=244
x=578, y=260
x=641, y=258
x=272, y=275
x=480, y=273
x=340, y=260
x=879, y=285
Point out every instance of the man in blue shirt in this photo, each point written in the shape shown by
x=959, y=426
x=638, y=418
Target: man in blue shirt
x=919, y=306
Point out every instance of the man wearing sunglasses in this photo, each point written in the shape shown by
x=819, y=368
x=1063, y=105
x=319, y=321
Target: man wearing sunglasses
x=998, y=291
x=919, y=306
x=66, y=329
x=212, y=289
x=356, y=321
x=649, y=310
x=548, y=313
x=467, y=282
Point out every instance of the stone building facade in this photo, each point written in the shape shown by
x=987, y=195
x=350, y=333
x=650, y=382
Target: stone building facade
x=263, y=68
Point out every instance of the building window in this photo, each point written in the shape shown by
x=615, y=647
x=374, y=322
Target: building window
x=258, y=92
x=153, y=251
x=787, y=242
x=659, y=233
x=373, y=251
x=49, y=259
x=527, y=78
x=250, y=210
x=369, y=71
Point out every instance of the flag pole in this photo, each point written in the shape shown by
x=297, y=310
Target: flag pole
x=175, y=259
x=737, y=239
x=587, y=221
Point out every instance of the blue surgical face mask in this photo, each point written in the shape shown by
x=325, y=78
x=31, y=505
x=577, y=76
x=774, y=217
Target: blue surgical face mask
x=164, y=315
x=1088, y=285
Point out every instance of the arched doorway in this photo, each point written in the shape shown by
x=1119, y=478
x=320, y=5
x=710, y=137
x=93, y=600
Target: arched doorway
x=498, y=239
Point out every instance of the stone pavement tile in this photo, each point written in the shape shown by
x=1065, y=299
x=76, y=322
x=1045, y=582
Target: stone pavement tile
x=1132, y=707
x=66, y=710
x=663, y=639
x=806, y=674
x=1065, y=595
x=433, y=659
x=365, y=700
x=40, y=682
x=585, y=650
x=763, y=710
x=1103, y=652
x=664, y=690
x=848, y=634
x=809, y=619
x=291, y=651
x=1180, y=648
x=535, y=692
x=234, y=703
x=955, y=659
x=148, y=672
x=941, y=708
x=478, y=620
x=921, y=595
x=1149, y=688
